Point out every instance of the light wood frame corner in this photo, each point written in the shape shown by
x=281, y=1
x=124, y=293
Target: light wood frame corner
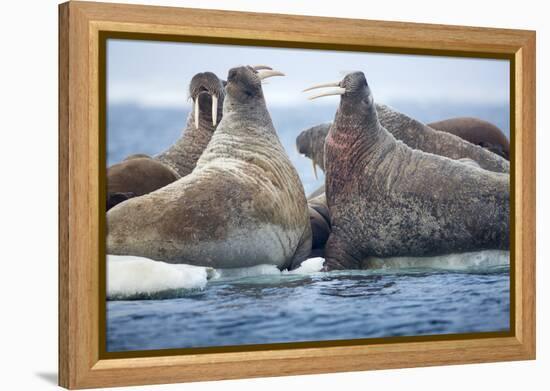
x=80, y=182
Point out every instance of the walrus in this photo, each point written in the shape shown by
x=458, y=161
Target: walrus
x=141, y=174
x=478, y=132
x=208, y=93
x=448, y=141
x=387, y=199
x=319, y=216
x=242, y=205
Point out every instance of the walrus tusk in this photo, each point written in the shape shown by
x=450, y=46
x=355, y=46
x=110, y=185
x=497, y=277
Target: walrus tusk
x=269, y=73
x=332, y=84
x=335, y=91
x=314, y=169
x=197, y=113
x=214, y=110
x=259, y=67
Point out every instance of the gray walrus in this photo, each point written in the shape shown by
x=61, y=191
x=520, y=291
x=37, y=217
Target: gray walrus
x=243, y=205
x=478, y=132
x=141, y=174
x=447, y=142
x=387, y=199
x=319, y=216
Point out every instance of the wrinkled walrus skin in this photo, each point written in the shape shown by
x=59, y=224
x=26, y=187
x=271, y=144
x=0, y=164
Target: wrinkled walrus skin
x=243, y=205
x=454, y=139
x=387, y=199
x=140, y=174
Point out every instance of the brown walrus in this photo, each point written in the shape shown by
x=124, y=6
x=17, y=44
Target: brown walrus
x=140, y=174
x=430, y=138
x=387, y=199
x=478, y=132
x=242, y=205
x=136, y=176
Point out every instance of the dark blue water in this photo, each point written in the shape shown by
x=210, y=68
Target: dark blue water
x=290, y=308
x=320, y=306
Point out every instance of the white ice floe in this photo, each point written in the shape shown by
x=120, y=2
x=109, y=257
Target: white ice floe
x=312, y=265
x=479, y=260
x=129, y=276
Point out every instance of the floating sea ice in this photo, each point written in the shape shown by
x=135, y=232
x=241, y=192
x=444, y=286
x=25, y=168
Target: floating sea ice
x=130, y=276
x=312, y=265
x=470, y=261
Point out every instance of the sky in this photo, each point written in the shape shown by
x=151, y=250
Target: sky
x=157, y=74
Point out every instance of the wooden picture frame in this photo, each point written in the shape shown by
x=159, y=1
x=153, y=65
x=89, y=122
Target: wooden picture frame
x=82, y=28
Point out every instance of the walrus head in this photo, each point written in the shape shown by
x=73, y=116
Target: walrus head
x=311, y=143
x=208, y=93
x=356, y=99
x=245, y=83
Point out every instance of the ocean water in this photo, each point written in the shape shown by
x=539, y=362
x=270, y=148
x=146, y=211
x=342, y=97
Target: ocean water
x=470, y=293
x=153, y=305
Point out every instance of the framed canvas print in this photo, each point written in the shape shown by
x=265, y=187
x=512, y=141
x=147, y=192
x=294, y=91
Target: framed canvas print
x=247, y=195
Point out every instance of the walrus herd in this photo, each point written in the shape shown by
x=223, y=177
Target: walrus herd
x=141, y=174
x=226, y=195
